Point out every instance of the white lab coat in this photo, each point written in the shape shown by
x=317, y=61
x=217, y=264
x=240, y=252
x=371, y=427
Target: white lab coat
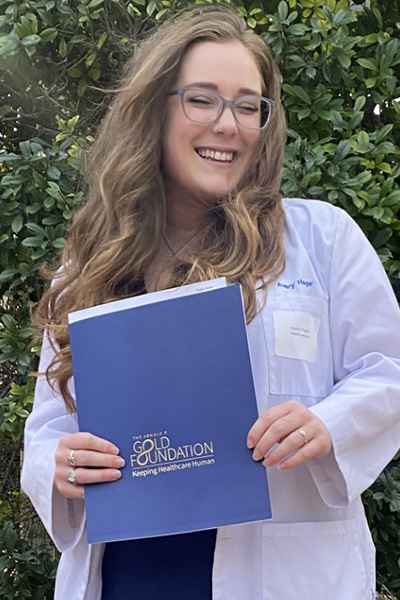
x=345, y=367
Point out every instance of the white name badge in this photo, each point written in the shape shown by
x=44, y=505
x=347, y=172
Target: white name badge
x=296, y=335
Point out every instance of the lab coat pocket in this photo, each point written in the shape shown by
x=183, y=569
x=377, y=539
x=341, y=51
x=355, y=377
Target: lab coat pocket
x=317, y=561
x=299, y=347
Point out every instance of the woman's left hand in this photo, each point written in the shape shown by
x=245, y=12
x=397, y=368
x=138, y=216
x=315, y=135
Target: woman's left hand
x=301, y=436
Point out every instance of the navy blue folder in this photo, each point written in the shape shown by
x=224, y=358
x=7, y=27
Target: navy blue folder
x=170, y=383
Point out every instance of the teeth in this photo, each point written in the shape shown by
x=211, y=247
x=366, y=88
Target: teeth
x=217, y=155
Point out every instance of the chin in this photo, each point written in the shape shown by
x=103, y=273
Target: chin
x=214, y=196
x=216, y=192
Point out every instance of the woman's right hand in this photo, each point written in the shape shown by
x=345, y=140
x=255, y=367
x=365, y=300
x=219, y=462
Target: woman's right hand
x=95, y=460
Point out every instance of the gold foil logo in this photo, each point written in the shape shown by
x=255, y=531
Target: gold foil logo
x=154, y=454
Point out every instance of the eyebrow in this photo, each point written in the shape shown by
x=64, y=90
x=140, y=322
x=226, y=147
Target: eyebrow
x=212, y=86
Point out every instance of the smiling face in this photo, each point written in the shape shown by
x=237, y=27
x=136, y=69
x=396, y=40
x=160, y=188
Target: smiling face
x=205, y=161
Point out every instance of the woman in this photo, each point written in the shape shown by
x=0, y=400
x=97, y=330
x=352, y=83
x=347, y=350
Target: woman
x=185, y=179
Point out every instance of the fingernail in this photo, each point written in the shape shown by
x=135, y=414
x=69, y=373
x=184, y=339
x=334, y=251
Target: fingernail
x=114, y=449
x=120, y=462
x=267, y=462
x=116, y=474
x=257, y=455
x=282, y=467
x=250, y=443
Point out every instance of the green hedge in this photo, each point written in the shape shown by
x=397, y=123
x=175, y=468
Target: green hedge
x=341, y=74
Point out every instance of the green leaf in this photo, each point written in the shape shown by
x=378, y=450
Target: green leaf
x=53, y=172
x=17, y=224
x=316, y=191
x=370, y=82
x=382, y=237
x=82, y=87
x=78, y=39
x=383, y=132
x=94, y=73
x=364, y=178
x=303, y=113
x=384, y=167
x=393, y=199
x=64, y=9
x=31, y=40
x=90, y=59
x=371, y=38
x=341, y=17
x=94, y=3
x=151, y=7
x=49, y=34
x=133, y=11
x=40, y=253
x=59, y=243
x=297, y=92
x=341, y=151
x=359, y=103
x=344, y=61
x=283, y=10
x=35, y=228
x=349, y=192
x=104, y=36
x=378, y=16
x=8, y=46
x=62, y=48
x=75, y=72
x=377, y=212
x=363, y=141
x=297, y=29
x=9, y=322
x=311, y=72
x=356, y=120
x=25, y=148
x=36, y=148
x=9, y=157
x=32, y=242
x=368, y=64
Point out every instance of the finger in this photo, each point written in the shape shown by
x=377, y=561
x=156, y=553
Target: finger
x=264, y=421
x=277, y=431
x=88, y=441
x=87, y=476
x=307, y=452
x=73, y=492
x=82, y=477
x=292, y=443
x=90, y=458
x=69, y=490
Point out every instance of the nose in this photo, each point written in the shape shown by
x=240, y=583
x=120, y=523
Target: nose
x=226, y=122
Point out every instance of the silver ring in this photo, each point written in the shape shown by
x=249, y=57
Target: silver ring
x=71, y=476
x=303, y=435
x=71, y=459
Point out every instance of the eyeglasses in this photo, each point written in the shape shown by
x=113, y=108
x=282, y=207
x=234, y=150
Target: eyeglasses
x=205, y=106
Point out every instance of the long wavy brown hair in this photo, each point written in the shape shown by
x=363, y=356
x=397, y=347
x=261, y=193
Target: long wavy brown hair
x=115, y=236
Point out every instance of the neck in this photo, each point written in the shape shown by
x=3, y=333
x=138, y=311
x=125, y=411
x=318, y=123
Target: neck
x=185, y=216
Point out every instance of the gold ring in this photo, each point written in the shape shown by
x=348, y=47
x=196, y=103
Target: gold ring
x=71, y=459
x=303, y=435
x=71, y=476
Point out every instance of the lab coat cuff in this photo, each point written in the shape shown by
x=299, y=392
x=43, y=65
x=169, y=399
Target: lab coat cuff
x=328, y=476
x=67, y=521
x=63, y=518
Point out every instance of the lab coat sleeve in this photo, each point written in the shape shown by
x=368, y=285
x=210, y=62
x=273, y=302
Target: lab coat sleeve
x=362, y=413
x=63, y=518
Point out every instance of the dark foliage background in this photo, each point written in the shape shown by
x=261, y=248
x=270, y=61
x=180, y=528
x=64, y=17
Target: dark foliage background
x=341, y=71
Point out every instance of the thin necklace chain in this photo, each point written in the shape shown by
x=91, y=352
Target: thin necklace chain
x=176, y=253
